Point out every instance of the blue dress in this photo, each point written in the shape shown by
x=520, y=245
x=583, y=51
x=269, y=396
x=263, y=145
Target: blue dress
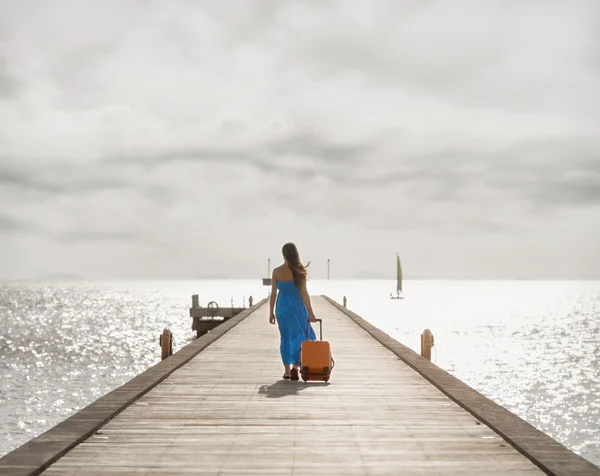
x=292, y=320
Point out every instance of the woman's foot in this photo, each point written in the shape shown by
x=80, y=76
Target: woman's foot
x=294, y=374
x=286, y=371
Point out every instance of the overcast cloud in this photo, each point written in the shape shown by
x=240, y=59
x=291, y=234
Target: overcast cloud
x=151, y=139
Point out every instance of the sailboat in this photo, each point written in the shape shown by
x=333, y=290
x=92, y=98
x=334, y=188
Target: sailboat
x=398, y=279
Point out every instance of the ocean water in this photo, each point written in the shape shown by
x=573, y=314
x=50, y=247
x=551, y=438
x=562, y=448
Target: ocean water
x=533, y=347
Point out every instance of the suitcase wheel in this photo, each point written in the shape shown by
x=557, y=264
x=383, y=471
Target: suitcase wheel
x=304, y=373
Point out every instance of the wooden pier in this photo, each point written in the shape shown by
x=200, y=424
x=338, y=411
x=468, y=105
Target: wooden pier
x=220, y=407
x=205, y=319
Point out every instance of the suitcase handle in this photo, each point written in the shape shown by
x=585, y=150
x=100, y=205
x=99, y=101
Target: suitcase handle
x=320, y=321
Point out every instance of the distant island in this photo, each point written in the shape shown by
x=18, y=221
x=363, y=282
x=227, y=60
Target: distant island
x=213, y=276
x=60, y=277
x=371, y=275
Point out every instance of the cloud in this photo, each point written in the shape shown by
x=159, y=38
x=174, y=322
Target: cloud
x=301, y=147
x=23, y=227
x=452, y=187
x=191, y=132
x=60, y=180
x=506, y=56
x=447, y=188
x=98, y=235
x=9, y=84
x=550, y=173
x=9, y=224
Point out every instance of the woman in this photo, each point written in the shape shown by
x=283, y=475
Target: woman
x=294, y=310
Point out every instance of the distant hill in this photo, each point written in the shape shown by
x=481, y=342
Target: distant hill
x=60, y=277
x=212, y=276
x=371, y=275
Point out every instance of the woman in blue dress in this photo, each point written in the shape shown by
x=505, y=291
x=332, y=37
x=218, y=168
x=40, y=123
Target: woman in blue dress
x=291, y=309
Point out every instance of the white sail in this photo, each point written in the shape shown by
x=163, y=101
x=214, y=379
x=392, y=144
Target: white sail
x=398, y=275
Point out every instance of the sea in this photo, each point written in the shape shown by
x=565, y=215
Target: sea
x=531, y=346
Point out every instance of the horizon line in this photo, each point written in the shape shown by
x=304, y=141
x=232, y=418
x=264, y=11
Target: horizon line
x=83, y=279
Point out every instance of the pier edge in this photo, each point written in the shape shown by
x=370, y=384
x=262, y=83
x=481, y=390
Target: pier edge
x=37, y=454
x=541, y=449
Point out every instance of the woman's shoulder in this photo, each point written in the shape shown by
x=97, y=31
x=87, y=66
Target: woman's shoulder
x=281, y=272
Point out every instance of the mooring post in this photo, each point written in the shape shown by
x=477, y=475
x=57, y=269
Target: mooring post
x=195, y=300
x=345, y=301
x=166, y=343
x=427, y=343
x=250, y=301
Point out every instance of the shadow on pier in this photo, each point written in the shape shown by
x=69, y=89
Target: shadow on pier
x=286, y=388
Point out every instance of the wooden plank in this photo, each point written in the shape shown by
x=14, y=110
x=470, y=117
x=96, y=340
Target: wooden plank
x=540, y=448
x=227, y=411
x=37, y=454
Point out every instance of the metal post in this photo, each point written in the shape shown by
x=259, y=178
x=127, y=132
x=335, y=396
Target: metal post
x=328, y=269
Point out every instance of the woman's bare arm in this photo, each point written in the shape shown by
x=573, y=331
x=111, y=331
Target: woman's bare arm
x=273, y=295
x=307, y=303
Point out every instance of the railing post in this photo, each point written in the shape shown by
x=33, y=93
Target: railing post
x=427, y=343
x=195, y=300
x=250, y=301
x=345, y=301
x=166, y=343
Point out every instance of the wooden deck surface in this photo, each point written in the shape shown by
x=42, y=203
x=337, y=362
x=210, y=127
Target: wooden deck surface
x=227, y=411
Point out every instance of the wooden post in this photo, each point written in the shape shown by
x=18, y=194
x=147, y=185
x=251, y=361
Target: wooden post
x=195, y=300
x=427, y=343
x=166, y=343
x=345, y=301
x=250, y=301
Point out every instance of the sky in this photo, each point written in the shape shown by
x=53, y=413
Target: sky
x=183, y=139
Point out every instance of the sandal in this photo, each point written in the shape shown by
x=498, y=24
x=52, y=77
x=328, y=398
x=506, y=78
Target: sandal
x=286, y=376
x=294, y=374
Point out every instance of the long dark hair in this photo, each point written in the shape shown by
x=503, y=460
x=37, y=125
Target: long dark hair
x=292, y=258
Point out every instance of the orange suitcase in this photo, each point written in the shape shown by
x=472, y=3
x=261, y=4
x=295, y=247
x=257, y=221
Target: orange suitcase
x=316, y=362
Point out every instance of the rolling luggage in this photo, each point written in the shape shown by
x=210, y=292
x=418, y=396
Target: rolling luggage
x=316, y=362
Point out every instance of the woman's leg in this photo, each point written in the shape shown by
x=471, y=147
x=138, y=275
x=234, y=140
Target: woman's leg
x=294, y=373
x=286, y=366
x=284, y=350
x=287, y=346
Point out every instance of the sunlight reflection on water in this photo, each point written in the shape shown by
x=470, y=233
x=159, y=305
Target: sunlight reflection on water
x=530, y=346
x=533, y=347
